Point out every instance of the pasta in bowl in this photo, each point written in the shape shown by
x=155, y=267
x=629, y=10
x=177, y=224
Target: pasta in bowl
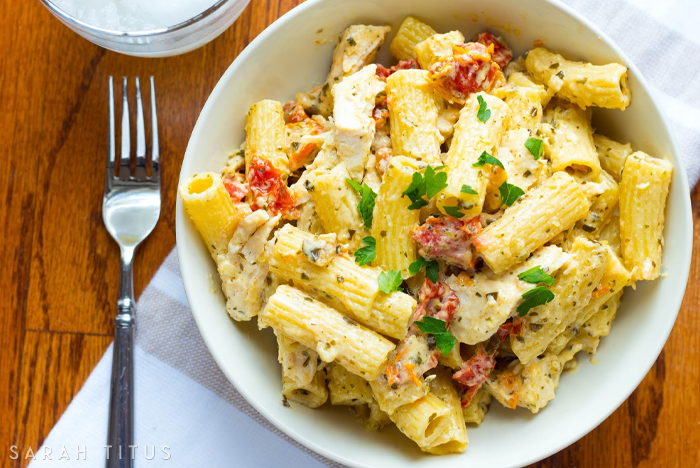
x=427, y=235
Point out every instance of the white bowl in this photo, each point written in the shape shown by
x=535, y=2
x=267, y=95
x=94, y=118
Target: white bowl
x=290, y=56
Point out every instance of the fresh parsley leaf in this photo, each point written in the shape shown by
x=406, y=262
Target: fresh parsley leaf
x=533, y=298
x=483, y=114
x=365, y=255
x=453, y=211
x=418, y=204
x=431, y=268
x=509, y=193
x=435, y=182
x=356, y=185
x=486, y=158
x=438, y=328
x=367, y=198
x=416, y=185
x=415, y=192
x=389, y=281
x=416, y=266
x=536, y=275
x=468, y=189
x=432, y=325
x=534, y=146
x=428, y=184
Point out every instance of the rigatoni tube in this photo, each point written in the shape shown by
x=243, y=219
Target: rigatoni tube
x=571, y=139
x=535, y=219
x=643, y=192
x=411, y=32
x=210, y=208
x=324, y=329
x=573, y=289
x=582, y=83
x=266, y=136
x=413, y=116
x=472, y=137
x=295, y=257
x=393, y=222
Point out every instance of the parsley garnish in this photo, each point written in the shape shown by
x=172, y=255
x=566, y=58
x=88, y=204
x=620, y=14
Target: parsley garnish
x=534, y=146
x=428, y=184
x=366, y=254
x=389, y=281
x=533, y=298
x=431, y=268
x=468, y=189
x=435, y=182
x=486, y=158
x=509, y=193
x=366, y=205
x=536, y=275
x=438, y=328
x=415, y=192
x=453, y=211
x=484, y=113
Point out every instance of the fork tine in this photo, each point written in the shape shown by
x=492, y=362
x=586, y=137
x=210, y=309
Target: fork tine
x=140, y=173
x=125, y=170
x=111, y=150
x=155, y=153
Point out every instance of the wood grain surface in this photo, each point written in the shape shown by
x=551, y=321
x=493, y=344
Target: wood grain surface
x=59, y=269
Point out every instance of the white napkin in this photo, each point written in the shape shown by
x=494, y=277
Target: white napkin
x=188, y=414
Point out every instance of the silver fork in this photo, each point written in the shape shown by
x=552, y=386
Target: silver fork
x=130, y=210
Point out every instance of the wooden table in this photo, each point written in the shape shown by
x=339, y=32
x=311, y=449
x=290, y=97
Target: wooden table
x=59, y=268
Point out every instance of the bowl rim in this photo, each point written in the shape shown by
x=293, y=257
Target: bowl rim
x=629, y=386
x=82, y=25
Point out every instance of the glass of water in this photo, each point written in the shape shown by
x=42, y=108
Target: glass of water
x=148, y=28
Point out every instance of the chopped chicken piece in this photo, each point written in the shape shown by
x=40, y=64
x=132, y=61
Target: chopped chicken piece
x=354, y=102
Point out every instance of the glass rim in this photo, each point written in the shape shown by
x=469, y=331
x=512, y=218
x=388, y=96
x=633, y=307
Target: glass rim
x=143, y=33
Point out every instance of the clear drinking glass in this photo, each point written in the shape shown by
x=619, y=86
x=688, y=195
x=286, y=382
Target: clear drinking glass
x=173, y=40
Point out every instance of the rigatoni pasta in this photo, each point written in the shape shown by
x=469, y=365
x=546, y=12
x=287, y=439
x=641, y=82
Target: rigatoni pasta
x=209, y=205
x=604, y=200
x=335, y=202
x=571, y=138
x=476, y=410
x=325, y=330
x=393, y=221
x=266, y=135
x=428, y=235
x=413, y=115
x=542, y=214
x=471, y=140
x=581, y=83
x=611, y=154
x=410, y=33
x=572, y=290
x=311, y=262
x=453, y=438
x=303, y=377
x=424, y=420
x=643, y=191
x=346, y=388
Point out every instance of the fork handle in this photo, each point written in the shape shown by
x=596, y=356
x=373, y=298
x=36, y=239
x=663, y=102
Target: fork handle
x=120, y=438
x=121, y=401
